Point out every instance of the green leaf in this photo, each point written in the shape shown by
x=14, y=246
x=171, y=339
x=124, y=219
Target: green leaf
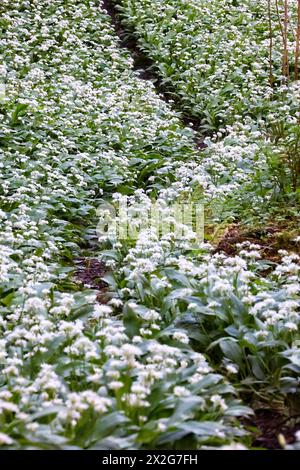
x=239, y=410
x=106, y=425
x=51, y=410
x=232, y=350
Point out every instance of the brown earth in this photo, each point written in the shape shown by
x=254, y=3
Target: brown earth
x=89, y=272
x=271, y=239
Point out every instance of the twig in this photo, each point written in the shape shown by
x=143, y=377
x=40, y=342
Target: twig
x=297, y=43
x=271, y=76
x=285, y=64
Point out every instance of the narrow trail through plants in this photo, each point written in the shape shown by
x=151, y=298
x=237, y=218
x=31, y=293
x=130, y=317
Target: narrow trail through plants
x=89, y=270
x=146, y=70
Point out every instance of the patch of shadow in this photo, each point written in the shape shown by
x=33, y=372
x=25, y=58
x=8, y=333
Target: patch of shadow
x=89, y=272
x=270, y=424
x=270, y=239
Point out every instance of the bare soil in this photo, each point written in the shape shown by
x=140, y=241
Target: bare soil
x=271, y=239
x=270, y=424
x=89, y=272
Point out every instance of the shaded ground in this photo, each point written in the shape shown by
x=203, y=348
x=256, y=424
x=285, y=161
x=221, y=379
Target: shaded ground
x=270, y=424
x=89, y=272
x=271, y=239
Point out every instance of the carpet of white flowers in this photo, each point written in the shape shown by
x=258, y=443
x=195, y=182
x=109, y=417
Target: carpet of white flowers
x=215, y=53
x=214, y=58
x=186, y=334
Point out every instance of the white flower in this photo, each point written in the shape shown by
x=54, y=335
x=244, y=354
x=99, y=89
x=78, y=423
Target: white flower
x=32, y=427
x=5, y=439
x=115, y=385
x=218, y=401
x=34, y=304
x=181, y=391
x=291, y=326
x=181, y=336
x=232, y=368
x=116, y=302
x=101, y=311
x=161, y=427
x=233, y=446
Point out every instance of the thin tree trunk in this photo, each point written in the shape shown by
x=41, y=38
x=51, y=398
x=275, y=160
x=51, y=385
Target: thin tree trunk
x=283, y=24
x=297, y=44
x=271, y=77
x=285, y=68
x=279, y=19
